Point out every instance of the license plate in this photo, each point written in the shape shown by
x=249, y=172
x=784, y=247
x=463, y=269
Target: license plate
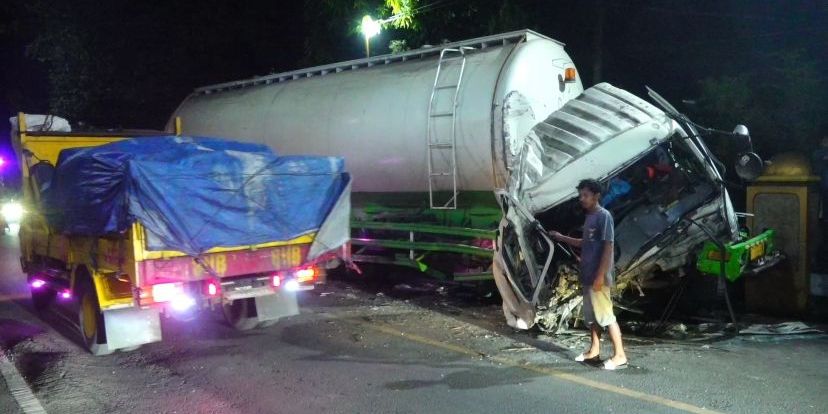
x=757, y=252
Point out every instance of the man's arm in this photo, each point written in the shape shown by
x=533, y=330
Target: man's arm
x=603, y=268
x=566, y=239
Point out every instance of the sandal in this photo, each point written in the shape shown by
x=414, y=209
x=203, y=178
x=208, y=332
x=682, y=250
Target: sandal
x=582, y=357
x=612, y=366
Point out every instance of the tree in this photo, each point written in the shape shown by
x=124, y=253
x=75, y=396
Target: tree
x=126, y=63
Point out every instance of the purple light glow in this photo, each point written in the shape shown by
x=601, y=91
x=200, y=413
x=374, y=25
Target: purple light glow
x=66, y=294
x=37, y=283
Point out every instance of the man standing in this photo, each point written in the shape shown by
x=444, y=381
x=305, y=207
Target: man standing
x=597, y=256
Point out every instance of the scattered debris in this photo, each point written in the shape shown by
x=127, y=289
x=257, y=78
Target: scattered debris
x=786, y=328
x=564, y=305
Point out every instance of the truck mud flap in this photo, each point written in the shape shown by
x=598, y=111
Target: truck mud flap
x=127, y=328
x=273, y=307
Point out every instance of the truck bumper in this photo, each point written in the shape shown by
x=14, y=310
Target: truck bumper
x=751, y=256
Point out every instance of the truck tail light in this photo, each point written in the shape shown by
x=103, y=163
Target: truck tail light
x=182, y=303
x=165, y=292
x=305, y=275
x=292, y=285
x=276, y=280
x=212, y=289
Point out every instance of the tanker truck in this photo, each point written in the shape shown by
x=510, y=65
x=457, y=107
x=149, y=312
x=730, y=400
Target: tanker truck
x=428, y=134
x=476, y=147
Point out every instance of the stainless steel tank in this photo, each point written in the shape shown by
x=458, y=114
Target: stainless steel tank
x=381, y=113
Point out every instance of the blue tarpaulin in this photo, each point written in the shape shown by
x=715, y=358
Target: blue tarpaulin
x=191, y=193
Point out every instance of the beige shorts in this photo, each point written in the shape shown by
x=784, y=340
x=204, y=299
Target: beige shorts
x=598, y=307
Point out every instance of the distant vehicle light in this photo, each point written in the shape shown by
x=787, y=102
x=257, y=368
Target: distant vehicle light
x=165, y=292
x=182, y=303
x=12, y=211
x=305, y=275
x=292, y=285
x=66, y=294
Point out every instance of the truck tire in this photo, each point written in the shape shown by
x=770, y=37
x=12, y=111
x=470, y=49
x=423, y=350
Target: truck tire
x=92, y=327
x=241, y=314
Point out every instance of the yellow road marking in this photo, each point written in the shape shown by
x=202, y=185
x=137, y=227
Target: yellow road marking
x=678, y=405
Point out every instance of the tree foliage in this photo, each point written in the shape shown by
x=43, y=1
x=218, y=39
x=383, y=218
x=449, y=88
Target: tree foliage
x=782, y=104
x=404, y=12
x=127, y=63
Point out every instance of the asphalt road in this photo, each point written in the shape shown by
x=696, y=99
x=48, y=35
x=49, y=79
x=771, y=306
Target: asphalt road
x=406, y=349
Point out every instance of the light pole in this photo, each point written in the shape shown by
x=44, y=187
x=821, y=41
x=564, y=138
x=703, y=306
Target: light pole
x=370, y=28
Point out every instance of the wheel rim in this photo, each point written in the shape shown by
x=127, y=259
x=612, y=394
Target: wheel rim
x=90, y=317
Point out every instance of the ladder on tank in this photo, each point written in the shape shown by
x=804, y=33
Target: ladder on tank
x=442, y=127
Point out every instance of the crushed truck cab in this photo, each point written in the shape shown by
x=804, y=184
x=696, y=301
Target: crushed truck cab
x=131, y=227
x=665, y=191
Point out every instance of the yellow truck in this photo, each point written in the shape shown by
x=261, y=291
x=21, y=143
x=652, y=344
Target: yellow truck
x=122, y=283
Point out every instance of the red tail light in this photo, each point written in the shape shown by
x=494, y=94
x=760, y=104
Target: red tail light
x=276, y=280
x=211, y=287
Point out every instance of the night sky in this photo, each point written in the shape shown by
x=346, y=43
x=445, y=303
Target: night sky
x=128, y=64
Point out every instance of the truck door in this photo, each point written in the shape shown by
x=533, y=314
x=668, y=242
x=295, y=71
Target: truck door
x=525, y=249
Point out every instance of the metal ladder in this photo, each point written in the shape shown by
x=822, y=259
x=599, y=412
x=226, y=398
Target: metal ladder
x=439, y=147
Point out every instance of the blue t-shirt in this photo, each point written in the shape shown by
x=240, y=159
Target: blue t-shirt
x=598, y=229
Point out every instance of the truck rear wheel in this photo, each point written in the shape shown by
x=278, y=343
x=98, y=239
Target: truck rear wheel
x=241, y=314
x=92, y=328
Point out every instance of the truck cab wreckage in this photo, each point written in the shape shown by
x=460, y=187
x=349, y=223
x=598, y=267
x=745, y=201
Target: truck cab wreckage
x=664, y=189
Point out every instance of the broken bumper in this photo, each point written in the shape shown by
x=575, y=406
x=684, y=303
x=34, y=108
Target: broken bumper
x=747, y=257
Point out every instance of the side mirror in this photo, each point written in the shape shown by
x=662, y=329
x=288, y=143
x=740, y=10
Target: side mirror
x=749, y=166
x=741, y=130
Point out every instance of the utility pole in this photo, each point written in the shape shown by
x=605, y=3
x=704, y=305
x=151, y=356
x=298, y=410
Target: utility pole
x=598, y=42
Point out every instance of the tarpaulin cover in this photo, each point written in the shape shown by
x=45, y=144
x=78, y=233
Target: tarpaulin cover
x=193, y=194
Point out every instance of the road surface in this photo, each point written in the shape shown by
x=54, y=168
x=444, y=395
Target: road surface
x=393, y=348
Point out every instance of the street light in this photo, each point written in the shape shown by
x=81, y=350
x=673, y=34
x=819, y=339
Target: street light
x=370, y=28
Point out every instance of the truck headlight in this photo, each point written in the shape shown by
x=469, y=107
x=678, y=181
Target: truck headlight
x=12, y=211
